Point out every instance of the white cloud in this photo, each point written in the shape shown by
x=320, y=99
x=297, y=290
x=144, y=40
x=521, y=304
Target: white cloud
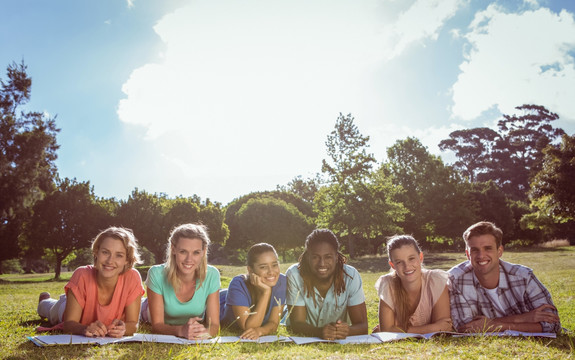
x=421, y=21
x=130, y=3
x=517, y=58
x=251, y=88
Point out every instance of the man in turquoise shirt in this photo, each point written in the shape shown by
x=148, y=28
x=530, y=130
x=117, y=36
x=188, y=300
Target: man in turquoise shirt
x=324, y=295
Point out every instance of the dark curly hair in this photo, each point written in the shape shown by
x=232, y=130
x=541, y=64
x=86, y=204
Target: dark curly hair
x=322, y=236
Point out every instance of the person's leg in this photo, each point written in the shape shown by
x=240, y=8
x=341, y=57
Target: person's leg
x=144, y=311
x=45, y=303
x=57, y=311
x=223, y=297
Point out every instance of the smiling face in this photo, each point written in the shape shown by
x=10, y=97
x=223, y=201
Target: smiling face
x=110, y=258
x=406, y=261
x=322, y=261
x=267, y=267
x=484, y=255
x=188, y=254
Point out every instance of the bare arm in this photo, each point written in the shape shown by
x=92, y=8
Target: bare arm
x=358, y=317
x=440, y=317
x=527, y=322
x=252, y=317
x=156, y=307
x=298, y=323
x=269, y=327
x=133, y=316
x=72, y=316
x=212, y=321
x=387, y=318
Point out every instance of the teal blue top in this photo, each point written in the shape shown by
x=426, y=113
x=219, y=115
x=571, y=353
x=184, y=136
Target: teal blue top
x=175, y=311
x=331, y=308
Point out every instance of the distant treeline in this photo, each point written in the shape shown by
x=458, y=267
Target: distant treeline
x=519, y=176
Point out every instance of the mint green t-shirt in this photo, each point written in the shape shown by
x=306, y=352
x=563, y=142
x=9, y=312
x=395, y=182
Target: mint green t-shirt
x=175, y=311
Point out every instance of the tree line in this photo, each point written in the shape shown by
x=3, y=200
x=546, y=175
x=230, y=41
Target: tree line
x=518, y=175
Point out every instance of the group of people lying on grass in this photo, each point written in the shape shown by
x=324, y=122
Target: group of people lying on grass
x=323, y=294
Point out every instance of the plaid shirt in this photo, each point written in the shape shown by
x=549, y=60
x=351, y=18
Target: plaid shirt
x=519, y=292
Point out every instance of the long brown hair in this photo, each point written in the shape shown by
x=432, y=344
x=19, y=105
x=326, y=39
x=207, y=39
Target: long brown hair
x=318, y=236
x=253, y=253
x=400, y=298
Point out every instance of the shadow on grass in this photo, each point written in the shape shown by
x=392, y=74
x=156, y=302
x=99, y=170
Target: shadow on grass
x=35, y=323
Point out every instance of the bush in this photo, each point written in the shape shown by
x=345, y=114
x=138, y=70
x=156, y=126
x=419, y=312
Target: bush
x=11, y=266
x=143, y=271
x=147, y=256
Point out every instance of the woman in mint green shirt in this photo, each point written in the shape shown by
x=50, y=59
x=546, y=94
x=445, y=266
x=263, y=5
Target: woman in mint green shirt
x=183, y=293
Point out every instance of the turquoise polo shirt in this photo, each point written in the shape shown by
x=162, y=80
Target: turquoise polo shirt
x=331, y=308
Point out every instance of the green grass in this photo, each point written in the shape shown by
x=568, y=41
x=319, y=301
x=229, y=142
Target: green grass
x=554, y=267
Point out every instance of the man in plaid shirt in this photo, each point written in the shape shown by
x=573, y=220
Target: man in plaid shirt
x=489, y=294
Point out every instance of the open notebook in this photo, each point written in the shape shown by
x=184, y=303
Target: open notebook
x=375, y=338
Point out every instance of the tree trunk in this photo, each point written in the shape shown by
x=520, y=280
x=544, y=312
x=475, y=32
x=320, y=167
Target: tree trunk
x=58, y=268
x=351, y=246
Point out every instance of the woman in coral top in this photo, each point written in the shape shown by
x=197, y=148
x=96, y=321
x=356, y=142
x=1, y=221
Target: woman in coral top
x=101, y=299
x=412, y=298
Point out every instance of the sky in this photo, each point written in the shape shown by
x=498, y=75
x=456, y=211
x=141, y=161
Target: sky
x=220, y=98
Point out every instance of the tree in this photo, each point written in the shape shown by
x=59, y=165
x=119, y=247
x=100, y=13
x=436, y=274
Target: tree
x=305, y=188
x=273, y=221
x=493, y=205
x=212, y=215
x=552, y=190
x=371, y=214
x=237, y=238
x=473, y=148
x=555, y=180
x=434, y=194
x=65, y=220
x=519, y=150
x=508, y=156
x=347, y=169
x=144, y=214
x=27, y=154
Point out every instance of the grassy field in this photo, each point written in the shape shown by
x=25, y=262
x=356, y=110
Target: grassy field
x=554, y=267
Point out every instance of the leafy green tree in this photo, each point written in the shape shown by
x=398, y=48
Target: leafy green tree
x=351, y=187
x=27, y=154
x=237, y=238
x=65, y=220
x=509, y=156
x=180, y=211
x=144, y=214
x=212, y=215
x=552, y=191
x=519, y=150
x=473, y=148
x=305, y=188
x=371, y=214
x=274, y=221
x=493, y=205
x=556, y=180
x=434, y=194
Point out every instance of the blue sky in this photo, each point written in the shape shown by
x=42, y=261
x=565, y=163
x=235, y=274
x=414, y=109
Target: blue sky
x=220, y=98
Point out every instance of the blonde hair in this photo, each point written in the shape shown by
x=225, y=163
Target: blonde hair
x=126, y=236
x=186, y=231
x=400, y=298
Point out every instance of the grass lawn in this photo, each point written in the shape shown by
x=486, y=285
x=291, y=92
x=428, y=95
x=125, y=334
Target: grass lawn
x=554, y=267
